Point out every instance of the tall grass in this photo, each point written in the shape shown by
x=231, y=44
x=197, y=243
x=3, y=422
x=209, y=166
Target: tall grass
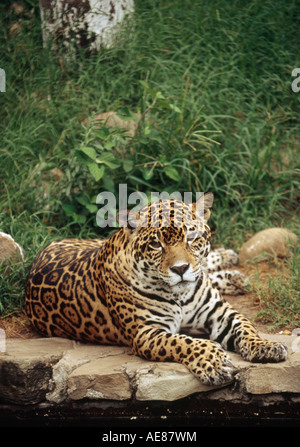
x=228, y=122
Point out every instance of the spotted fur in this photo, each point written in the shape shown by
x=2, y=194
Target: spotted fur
x=142, y=286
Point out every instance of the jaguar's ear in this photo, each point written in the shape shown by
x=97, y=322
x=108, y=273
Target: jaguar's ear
x=127, y=219
x=203, y=205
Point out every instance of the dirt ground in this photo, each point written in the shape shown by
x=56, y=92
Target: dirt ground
x=18, y=325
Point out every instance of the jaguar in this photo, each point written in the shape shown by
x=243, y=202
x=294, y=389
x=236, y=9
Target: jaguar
x=147, y=284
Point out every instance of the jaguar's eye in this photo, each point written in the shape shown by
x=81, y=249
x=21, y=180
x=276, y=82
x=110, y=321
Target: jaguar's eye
x=195, y=241
x=155, y=244
x=191, y=237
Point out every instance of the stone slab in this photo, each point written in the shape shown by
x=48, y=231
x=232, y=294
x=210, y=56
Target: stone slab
x=168, y=382
x=26, y=368
x=101, y=379
x=73, y=359
x=56, y=371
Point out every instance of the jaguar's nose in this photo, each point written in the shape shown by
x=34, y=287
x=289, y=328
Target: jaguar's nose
x=180, y=269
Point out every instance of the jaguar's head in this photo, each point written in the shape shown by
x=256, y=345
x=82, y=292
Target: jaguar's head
x=168, y=239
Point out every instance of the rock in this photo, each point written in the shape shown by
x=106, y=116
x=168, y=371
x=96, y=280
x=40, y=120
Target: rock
x=167, y=381
x=276, y=378
x=283, y=377
x=72, y=361
x=17, y=8
x=56, y=173
x=57, y=371
x=10, y=251
x=119, y=377
x=101, y=379
x=272, y=240
x=26, y=368
x=111, y=119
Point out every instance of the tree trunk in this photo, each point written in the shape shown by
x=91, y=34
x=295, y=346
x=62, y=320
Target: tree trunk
x=92, y=24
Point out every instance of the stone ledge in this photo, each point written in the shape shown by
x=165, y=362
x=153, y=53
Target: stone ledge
x=56, y=371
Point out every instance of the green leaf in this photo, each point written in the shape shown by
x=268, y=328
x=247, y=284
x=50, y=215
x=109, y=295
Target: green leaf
x=94, y=197
x=82, y=158
x=108, y=145
x=79, y=218
x=83, y=200
x=69, y=209
x=147, y=130
x=108, y=184
x=91, y=208
x=96, y=171
x=159, y=95
x=147, y=173
x=125, y=114
x=144, y=84
x=153, y=93
x=86, y=201
x=109, y=160
x=89, y=151
x=127, y=165
x=175, y=108
x=138, y=180
x=172, y=172
x=102, y=133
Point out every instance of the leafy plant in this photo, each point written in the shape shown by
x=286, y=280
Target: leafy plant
x=112, y=156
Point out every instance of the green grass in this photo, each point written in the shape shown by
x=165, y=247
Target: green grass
x=279, y=296
x=215, y=78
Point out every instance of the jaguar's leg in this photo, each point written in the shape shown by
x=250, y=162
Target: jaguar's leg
x=221, y=259
x=204, y=358
x=237, y=333
x=234, y=331
x=230, y=282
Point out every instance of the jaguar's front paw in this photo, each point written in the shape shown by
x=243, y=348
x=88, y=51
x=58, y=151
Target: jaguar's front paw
x=240, y=283
x=230, y=282
x=264, y=351
x=229, y=257
x=220, y=259
x=212, y=367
